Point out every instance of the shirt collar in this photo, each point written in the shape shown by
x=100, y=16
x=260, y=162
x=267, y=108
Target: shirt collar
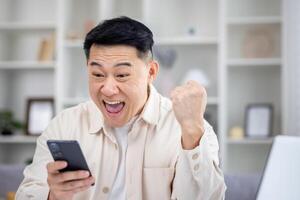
x=96, y=120
x=150, y=113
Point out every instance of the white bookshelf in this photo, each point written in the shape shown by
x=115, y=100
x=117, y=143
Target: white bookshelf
x=250, y=79
x=15, y=65
x=21, y=26
x=73, y=43
x=187, y=40
x=18, y=139
x=242, y=62
x=254, y=20
x=206, y=35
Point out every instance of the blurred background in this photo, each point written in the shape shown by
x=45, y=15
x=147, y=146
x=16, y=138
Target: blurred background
x=245, y=52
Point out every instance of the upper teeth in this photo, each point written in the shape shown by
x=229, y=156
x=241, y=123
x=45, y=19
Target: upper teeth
x=112, y=102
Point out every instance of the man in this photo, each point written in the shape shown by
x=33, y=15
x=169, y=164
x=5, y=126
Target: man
x=138, y=144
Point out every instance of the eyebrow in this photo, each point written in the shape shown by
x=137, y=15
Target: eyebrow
x=121, y=64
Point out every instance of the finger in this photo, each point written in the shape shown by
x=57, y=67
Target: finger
x=54, y=167
x=72, y=175
x=81, y=189
x=189, y=82
x=192, y=82
x=73, y=185
x=176, y=91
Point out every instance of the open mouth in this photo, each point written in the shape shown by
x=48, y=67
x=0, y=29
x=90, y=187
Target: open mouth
x=114, y=106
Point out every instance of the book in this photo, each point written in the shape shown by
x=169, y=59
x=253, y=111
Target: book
x=46, y=49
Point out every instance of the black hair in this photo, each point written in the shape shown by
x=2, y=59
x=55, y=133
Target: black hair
x=121, y=31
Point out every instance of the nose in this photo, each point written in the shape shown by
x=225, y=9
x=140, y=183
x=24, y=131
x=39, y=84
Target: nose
x=109, y=87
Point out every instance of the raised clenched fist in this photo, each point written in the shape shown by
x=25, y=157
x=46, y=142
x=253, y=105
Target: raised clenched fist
x=189, y=103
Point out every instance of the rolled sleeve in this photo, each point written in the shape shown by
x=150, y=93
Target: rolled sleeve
x=198, y=175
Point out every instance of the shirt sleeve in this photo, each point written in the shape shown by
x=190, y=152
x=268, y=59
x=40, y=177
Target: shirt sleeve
x=34, y=185
x=197, y=172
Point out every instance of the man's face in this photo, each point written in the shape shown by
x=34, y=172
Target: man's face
x=118, y=82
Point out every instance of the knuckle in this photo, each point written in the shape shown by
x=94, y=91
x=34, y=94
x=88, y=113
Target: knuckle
x=88, y=181
x=192, y=83
x=85, y=183
x=72, y=184
x=80, y=174
x=63, y=176
x=195, y=94
x=83, y=188
x=201, y=90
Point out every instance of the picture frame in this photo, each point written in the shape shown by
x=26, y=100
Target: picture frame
x=259, y=120
x=39, y=113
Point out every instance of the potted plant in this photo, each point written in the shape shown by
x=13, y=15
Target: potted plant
x=8, y=124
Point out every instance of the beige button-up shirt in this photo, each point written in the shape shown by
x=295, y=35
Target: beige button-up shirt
x=157, y=168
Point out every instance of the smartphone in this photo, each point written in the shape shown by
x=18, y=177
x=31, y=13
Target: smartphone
x=69, y=151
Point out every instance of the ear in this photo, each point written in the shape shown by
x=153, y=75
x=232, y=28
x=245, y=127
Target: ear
x=153, y=70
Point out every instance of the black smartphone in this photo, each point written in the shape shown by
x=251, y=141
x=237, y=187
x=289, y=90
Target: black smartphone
x=69, y=151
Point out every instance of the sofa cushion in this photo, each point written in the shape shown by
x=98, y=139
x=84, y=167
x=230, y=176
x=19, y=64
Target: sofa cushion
x=241, y=186
x=10, y=178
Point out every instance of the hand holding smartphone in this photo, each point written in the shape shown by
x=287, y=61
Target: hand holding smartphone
x=75, y=175
x=69, y=151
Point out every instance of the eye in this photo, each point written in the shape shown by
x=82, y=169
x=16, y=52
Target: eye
x=98, y=75
x=122, y=75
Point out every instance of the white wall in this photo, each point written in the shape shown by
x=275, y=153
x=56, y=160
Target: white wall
x=291, y=72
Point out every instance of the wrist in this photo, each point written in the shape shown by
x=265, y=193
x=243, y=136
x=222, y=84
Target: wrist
x=192, y=128
x=191, y=137
x=189, y=143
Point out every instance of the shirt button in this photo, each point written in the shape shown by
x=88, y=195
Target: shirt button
x=105, y=190
x=196, y=167
x=195, y=156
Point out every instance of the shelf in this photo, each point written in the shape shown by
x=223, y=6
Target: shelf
x=14, y=65
x=19, y=139
x=266, y=141
x=188, y=40
x=19, y=26
x=73, y=43
x=254, y=20
x=244, y=62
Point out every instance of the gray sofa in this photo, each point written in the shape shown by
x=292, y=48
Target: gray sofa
x=239, y=187
x=10, y=178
